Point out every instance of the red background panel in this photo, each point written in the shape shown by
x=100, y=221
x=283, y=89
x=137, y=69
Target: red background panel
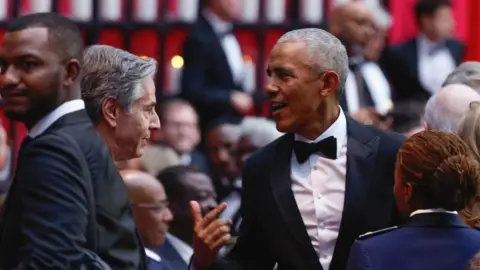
x=145, y=43
x=111, y=37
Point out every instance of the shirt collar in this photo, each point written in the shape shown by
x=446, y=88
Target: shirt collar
x=425, y=45
x=50, y=118
x=432, y=210
x=338, y=130
x=152, y=255
x=181, y=247
x=219, y=26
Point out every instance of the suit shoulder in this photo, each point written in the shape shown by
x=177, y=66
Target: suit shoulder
x=263, y=154
x=369, y=235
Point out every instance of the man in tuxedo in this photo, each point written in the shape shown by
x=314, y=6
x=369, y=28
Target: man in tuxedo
x=310, y=193
x=119, y=93
x=152, y=215
x=213, y=75
x=67, y=207
x=409, y=65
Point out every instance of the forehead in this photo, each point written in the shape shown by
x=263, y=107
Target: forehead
x=155, y=192
x=181, y=111
x=357, y=10
x=148, y=90
x=31, y=41
x=290, y=53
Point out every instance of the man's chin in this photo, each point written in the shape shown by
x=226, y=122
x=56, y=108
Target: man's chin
x=16, y=115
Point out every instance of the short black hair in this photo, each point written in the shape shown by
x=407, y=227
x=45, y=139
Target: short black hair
x=429, y=7
x=172, y=179
x=62, y=32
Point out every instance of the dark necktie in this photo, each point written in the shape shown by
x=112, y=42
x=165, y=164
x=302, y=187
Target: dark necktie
x=328, y=147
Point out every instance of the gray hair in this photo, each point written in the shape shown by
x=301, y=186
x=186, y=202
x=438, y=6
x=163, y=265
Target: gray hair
x=445, y=110
x=326, y=51
x=259, y=131
x=467, y=73
x=112, y=73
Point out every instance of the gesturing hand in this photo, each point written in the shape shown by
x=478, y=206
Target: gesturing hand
x=210, y=234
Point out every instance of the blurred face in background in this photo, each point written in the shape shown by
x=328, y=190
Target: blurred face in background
x=180, y=129
x=220, y=143
x=244, y=149
x=227, y=10
x=440, y=25
x=374, y=48
x=353, y=23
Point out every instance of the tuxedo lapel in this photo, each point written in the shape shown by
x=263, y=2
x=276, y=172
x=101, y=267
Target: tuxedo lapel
x=281, y=183
x=412, y=57
x=361, y=154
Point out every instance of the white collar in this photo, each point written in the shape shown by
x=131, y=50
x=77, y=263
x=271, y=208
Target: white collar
x=50, y=118
x=184, y=250
x=432, y=210
x=152, y=255
x=219, y=26
x=425, y=45
x=338, y=130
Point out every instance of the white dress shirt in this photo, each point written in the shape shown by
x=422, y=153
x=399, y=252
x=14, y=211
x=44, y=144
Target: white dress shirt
x=434, y=64
x=184, y=250
x=229, y=44
x=152, y=255
x=319, y=190
x=50, y=118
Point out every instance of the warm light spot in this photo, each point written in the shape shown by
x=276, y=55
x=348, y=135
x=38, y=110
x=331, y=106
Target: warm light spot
x=144, y=57
x=247, y=59
x=177, y=61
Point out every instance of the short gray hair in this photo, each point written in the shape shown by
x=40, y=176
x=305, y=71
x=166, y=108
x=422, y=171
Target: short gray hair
x=259, y=131
x=467, y=73
x=326, y=51
x=446, y=108
x=110, y=72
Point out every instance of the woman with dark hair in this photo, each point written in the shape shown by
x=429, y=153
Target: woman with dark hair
x=436, y=175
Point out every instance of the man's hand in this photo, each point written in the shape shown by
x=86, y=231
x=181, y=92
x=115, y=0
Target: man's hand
x=241, y=102
x=210, y=234
x=370, y=116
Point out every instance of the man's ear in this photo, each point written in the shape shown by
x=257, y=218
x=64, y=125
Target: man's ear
x=110, y=111
x=330, y=81
x=72, y=72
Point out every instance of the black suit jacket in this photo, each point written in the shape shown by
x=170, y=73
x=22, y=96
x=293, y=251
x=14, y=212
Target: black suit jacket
x=47, y=213
x=401, y=66
x=273, y=230
x=171, y=257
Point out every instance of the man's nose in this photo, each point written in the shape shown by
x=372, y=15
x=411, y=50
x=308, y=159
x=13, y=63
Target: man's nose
x=168, y=216
x=9, y=78
x=155, y=122
x=271, y=89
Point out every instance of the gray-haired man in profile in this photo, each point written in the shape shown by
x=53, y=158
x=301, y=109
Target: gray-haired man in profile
x=467, y=73
x=119, y=93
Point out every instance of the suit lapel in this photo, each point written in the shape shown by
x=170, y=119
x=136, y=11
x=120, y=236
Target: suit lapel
x=281, y=183
x=412, y=57
x=361, y=154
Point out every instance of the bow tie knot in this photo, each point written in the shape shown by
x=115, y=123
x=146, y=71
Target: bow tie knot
x=328, y=147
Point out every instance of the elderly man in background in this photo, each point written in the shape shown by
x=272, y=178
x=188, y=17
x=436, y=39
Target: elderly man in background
x=119, y=93
x=255, y=133
x=467, y=73
x=151, y=213
x=447, y=106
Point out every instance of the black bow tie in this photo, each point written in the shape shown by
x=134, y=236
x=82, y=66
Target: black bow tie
x=328, y=147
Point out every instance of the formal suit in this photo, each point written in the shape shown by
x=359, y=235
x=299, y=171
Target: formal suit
x=155, y=261
x=213, y=68
x=273, y=228
x=175, y=253
x=67, y=200
x=196, y=159
x=437, y=241
x=403, y=67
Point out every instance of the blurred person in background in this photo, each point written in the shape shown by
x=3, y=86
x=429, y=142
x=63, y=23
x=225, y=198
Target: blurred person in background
x=180, y=131
x=213, y=74
x=67, y=207
x=406, y=117
x=469, y=131
x=367, y=94
x=6, y=161
x=152, y=215
x=420, y=65
x=446, y=108
x=182, y=185
x=436, y=176
x=475, y=262
x=222, y=136
x=255, y=133
x=119, y=93
x=467, y=73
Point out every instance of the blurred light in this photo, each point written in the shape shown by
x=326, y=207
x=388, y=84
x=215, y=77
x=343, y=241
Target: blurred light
x=177, y=61
x=247, y=59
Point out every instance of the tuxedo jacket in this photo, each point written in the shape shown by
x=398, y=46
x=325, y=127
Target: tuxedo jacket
x=47, y=213
x=436, y=241
x=272, y=229
x=401, y=66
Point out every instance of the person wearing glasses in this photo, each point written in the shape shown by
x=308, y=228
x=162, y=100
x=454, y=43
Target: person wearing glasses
x=152, y=215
